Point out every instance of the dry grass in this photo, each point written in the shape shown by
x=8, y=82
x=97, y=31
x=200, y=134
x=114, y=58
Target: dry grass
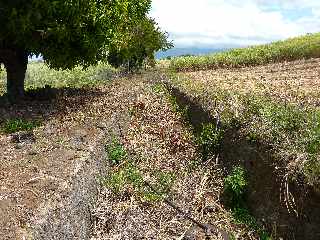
x=292, y=82
x=277, y=104
x=37, y=172
x=37, y=168
x=158, y=141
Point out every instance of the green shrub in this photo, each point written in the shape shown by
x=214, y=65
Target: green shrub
x=235, y=190
x=209, y=139
x=235, y=187
x=129, y=176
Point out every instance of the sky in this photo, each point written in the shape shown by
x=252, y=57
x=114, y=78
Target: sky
x=234, y=23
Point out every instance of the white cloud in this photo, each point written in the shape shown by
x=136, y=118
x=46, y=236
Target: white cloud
x=233, y=22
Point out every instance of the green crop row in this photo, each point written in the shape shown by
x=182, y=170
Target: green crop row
x=304, y=47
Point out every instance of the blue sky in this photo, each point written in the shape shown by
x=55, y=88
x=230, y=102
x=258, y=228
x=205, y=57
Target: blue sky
x=230, y=23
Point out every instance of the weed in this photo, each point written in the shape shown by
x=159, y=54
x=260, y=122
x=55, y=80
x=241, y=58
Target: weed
x=164, y=181
x=159, y=88
x=241, y=215
x=134, y=176
x=122, y=177
x=209, y=139
x=116, y=152
x=16, y=125
x=252, y=137
x=183, y=111
x=311, y=170
x=116, y=181
x=282, y=118
x=290, y=129
x=235, y=189
x=129, y=176
x=174, y=103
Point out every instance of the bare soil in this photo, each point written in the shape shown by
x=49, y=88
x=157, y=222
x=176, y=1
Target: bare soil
x=38, y=172
x=297, y=82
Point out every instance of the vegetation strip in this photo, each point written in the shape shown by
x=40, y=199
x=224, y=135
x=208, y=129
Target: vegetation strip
x=117, y=154
x=209, y=138
x=303, y=47
x=280, y=119
x=170, y=165
x=292, y=130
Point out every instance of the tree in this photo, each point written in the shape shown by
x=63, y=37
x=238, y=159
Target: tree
x=66, y=33
x=137, y=45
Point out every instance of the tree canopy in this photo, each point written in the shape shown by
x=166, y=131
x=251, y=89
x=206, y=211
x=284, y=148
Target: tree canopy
x=65, y=32
x=137, y=44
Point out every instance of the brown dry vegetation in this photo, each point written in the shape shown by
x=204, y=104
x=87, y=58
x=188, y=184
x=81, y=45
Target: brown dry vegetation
x=159, y=142
x=38, y=168
x=37, y=171
x=277, y=104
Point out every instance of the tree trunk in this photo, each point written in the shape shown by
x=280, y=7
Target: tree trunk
x=15, y=62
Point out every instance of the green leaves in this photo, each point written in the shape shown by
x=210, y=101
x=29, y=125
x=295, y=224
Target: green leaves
x=67, y=33
x=209, y=139
x=16, y=125
x=136, y=44
x=116, y=152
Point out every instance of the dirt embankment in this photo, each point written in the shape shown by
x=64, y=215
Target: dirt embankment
x=49, y=181
x=288, y=208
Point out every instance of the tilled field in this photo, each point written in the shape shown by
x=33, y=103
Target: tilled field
x=296, y=82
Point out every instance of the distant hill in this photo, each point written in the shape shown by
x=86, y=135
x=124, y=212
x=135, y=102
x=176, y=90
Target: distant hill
x=184, y=51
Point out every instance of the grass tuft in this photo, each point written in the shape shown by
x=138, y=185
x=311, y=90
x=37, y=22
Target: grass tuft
x=209, y=140
x=17, y=125
x=116, y=152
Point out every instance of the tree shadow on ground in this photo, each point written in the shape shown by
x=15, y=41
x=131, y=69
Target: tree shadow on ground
x=46, y=103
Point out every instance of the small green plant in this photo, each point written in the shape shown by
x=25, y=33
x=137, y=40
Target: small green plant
x=119, y=180
x=129, y=176
x=116, y=181
x=164, y=181
x=159, y=88
x=116, y=152
x=242, y=215
x=16, y=125
x=252, y=137
x=210, y=139
x=174, y=103
x=235, y=189
x=235, y=186
x=282, y=118
x=183, y=111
